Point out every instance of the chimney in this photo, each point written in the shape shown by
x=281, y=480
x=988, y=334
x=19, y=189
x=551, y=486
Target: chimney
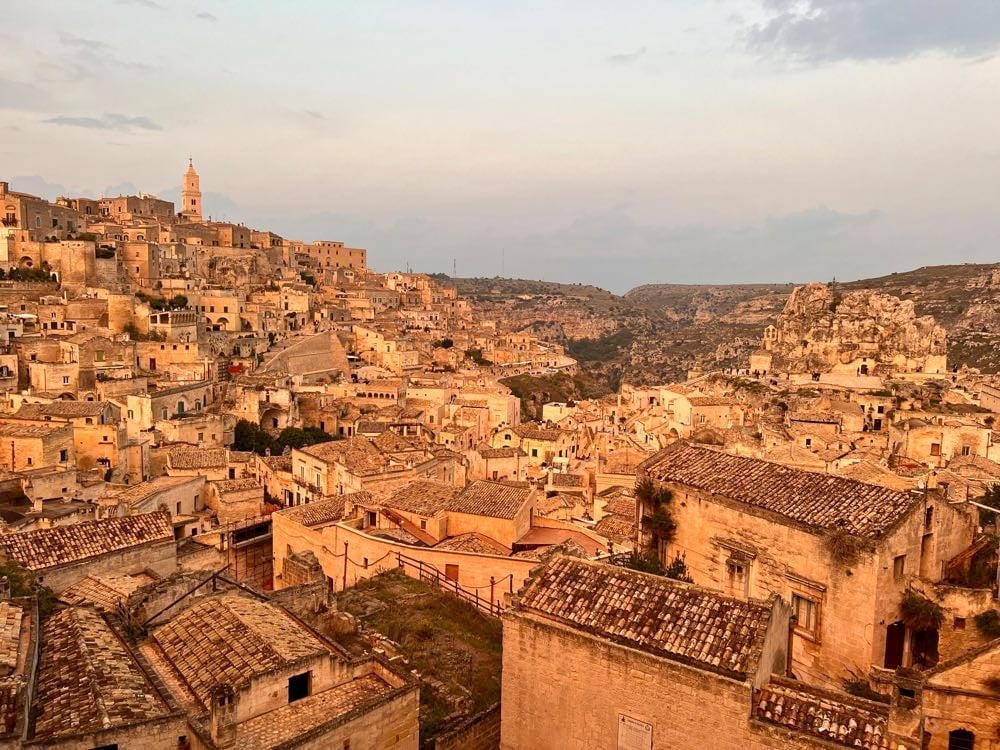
x=222, y=717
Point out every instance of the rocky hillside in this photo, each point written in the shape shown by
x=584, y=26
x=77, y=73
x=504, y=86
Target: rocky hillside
x=822, y=327
x=660, y=332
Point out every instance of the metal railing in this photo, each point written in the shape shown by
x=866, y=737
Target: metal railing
x=491, y=606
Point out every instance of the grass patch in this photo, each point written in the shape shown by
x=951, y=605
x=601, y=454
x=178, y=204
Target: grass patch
x=455, y=648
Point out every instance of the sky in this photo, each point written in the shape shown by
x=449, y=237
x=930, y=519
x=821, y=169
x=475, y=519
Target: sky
x=582, y=141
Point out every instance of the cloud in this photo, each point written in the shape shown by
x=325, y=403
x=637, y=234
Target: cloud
x=107, y=121
x=35, y=184
x=19, y=95
x=626, y=58
x=79, y=42
x=148, y=4
x=313, y=114
x=206, y=16
x=822, y=31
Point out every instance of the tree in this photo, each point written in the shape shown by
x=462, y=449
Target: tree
x=992, y=499
x=22, y=583
x=179, y=301
x=657, y=519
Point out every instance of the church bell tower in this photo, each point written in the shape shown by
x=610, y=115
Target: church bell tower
x=191, y=194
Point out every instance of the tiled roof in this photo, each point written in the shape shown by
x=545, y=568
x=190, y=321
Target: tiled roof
x=231, y=639
x=63, y=409
x=357, y=454
x=11, y=616
x=487, y=452
x=568, y=480
x=423, y=497
x=813, y=499
x=323, y=511
x=237, y=485
x=288, y=722
x=652, y=613
x=134, y=494
x=45, y=548
x=87, y=679
x=712, y=401
x=493, y=499
x=28, y=430
x=278, y=463
x=536, y=432
x=184, y=457
x=616, y=528
x=834, y=717
x=473, y=542
x=240, y=457
x=104, y=592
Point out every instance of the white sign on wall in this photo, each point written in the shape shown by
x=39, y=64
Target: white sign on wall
x=634, y=734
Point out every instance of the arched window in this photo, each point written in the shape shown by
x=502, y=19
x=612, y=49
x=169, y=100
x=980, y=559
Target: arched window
x=961, y=739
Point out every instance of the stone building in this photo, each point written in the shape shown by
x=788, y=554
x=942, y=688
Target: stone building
x=593, y=656
x=251, y=675
x=63, y=555
x=841, y=552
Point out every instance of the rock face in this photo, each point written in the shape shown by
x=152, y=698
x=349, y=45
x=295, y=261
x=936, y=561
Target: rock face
x=861, y=332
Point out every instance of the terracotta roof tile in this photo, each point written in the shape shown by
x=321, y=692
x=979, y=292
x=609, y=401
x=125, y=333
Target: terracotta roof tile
x=473, y=542
x=87, y=679
x=237, y=485
x=327, y=510
x=423, y=497
x=45, y=548
x=185, y=457
x=104, y=592
x=493, y=499
x=11, y=616
x=810, y=498
x=655, y=614
x=837, y=718
x=231, y=639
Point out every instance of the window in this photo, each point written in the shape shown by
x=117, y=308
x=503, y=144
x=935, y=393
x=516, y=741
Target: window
x=298, y=686
x=809, y=442
x=899, y=567
x=961, y=739
x=534, y=452
x=935, y=449
x=63, y=455
x=959, y=623
x=738, y=575
x=65, y=379
x=966, y=450
x=31, y=461
x=178, y=509
x=806, y=613
x=928, y=517
x=880, y=410
x=423, y=524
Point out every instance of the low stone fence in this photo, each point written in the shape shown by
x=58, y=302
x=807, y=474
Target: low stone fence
x=479, y=732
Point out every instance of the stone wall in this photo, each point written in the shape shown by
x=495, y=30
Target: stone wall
x=160, y=558
x=479, y=732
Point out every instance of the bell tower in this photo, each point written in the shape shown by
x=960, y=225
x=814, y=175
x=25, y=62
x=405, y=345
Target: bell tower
x=191, y=194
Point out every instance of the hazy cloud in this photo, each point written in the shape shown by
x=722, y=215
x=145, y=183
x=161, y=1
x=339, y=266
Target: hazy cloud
x=627, y=57
x=204, y=15
x=821, y=31
x=79, y=42
x=19, y=95
x=149, y=4
x=107, y=121
x=312, y=113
